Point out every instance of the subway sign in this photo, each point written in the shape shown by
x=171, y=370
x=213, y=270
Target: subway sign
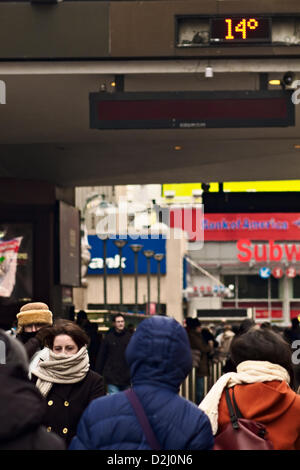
x=271, y=251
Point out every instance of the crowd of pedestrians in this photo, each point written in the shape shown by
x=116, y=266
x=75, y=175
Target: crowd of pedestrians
x=66, y=386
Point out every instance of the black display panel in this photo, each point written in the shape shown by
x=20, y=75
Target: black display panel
x=191, y=110
x=232, y=29
x=223, y=313
x=69, y=245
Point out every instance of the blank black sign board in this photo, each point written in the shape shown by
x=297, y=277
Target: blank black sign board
x=191, y=110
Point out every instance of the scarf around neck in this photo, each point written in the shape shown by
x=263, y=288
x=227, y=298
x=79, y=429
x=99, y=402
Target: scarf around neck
x=61, y=369
x=248, y=372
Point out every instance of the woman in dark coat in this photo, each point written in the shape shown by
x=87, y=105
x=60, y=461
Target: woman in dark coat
x=21, y=405
x=65, y=380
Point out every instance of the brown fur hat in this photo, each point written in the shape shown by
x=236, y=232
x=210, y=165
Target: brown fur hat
x=34, y=312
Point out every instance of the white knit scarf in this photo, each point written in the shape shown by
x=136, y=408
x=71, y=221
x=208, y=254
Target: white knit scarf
x=61, y=369
x=247, y=372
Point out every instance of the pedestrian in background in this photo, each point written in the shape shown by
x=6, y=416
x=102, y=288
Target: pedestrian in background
x=159, y=356
x=32, y=318
x=262, y=388
x=65, y=380
x=200, y=352
x=111, y=361
x=21, y=405
x=95, y=338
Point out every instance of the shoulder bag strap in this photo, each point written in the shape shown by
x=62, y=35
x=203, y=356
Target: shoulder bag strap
x=142, y=418
x=237, y=410
x=233, y=416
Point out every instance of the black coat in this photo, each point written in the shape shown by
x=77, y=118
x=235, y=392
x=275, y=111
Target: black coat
x=111, y=361
x=21, y=414
x=67, y=402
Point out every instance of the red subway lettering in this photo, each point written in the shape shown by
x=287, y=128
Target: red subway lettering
x=291, y=252
x=274, y=248
x=244, y=249
x=263, y=256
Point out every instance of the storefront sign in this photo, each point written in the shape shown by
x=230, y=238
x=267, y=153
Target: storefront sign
x=127, y=262
x=262, y=226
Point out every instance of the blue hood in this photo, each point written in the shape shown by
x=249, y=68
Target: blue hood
x=159, y=353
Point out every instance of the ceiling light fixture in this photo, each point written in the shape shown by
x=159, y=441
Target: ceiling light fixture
x=274, y=82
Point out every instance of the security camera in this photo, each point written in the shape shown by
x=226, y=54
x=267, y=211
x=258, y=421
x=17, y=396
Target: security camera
x=288, y=78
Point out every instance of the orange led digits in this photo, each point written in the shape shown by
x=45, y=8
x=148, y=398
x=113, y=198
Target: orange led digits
x=252, y=23
x=241, y=27
x=229, y=29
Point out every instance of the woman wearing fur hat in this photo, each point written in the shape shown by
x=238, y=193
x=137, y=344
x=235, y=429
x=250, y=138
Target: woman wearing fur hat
x=32, y=318
x=22, y=408
x=65, y=380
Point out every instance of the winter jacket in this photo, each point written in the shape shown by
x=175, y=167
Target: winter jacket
x=21, y=414
x=111, y=362
x=272, y=403
x=67, y=402
x=197, y=342
x=159, y=357
x=224, y=344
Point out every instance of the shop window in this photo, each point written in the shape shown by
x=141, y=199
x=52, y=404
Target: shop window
x=274, y=288
x=252, y=287
x=296, y=287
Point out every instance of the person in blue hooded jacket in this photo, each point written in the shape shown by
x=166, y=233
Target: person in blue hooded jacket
x=159, y=357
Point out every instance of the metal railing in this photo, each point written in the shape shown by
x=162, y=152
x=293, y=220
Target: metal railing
x=188, y=387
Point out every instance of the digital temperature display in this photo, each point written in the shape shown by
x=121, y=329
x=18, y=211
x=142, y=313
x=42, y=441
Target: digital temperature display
x=240, y=29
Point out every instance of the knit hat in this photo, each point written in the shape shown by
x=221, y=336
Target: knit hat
x=35, y=312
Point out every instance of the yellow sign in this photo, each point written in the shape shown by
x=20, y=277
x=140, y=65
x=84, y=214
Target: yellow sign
x=186, y=189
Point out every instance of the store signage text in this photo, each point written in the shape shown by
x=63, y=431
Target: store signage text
x=111, y=263
x=267, y=252
x=263, y=226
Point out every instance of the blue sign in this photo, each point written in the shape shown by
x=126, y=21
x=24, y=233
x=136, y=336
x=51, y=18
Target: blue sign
x=265, y=272
x=158, y=245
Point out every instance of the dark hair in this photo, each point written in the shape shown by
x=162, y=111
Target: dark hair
x=245, y=325
x=118, y=315
x=66, y=327
x=295, y=323
x=262, y=345
x=266, y=324
x=192, y=323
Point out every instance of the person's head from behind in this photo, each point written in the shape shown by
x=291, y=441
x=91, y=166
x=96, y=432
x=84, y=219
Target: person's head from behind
x=118, y=322
x=227, y=327
x=81, y=317
x=266, y=324
x=159, y=353
x=33, y=316
x=295, y=323
x=245, y=326
x=193, y=324
x=12, y=354
x=262, y=345
x=65, y=337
